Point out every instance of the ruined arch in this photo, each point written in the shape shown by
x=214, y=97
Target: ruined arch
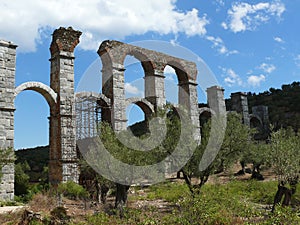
x=144, y=105
x=180, y=72
x=255, y=121
x=153, y=62
x=44, y=90
x=146, y=63
x=205, y=114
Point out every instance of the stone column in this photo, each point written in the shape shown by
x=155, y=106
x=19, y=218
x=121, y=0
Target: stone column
x=113, y=88
x=7, y=88
x=239, y=103
x=215, y=99
x=188, y=98
x=155, y=88
x=63, y=154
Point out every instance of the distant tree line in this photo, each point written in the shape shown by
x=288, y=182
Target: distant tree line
x=283, y=104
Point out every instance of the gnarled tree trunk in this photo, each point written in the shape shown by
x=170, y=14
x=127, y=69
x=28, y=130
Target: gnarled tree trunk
x=121, y=197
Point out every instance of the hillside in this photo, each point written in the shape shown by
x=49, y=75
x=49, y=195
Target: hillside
x=283, y=104
x=37, y=159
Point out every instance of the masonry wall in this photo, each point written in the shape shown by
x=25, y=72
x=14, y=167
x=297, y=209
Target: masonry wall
x=7, y=88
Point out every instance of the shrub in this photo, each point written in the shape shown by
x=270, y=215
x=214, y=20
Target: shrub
x=72, y=190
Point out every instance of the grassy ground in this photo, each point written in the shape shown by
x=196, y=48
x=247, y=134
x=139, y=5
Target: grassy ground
x=236, y=202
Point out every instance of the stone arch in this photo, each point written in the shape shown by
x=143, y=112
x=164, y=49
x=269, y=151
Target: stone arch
x=144, y=104
x=205, y=113
x=113, y=53
x=147, y=64
x=44, y=90
x=180, y=71
x=255, y=121
x=206, y=110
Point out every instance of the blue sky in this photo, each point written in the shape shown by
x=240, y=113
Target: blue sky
x=249, y=45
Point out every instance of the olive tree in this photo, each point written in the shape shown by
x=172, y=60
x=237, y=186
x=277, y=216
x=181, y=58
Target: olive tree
x=236, y=140
x=125, y=159
x=283, y=156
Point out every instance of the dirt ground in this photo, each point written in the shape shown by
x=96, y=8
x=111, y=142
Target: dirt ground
x=42, y=204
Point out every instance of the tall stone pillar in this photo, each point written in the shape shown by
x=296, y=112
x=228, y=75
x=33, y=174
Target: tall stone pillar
x=215, y=99
x=63, y=155
x=188, y=98
x=239, y=103
x=155, y=88
x=7, y=88
x=113, y=88
x=111, y=54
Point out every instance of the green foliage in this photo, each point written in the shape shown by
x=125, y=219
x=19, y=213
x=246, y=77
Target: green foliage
x=171, y=192
x=237, y=202
x=72, y=190
x=283, y=216
x=21, y=179
x=284, y=155
x=236, y=138
x=256, y=153
x=137, y=153
x=38, y=159
x=283, y=105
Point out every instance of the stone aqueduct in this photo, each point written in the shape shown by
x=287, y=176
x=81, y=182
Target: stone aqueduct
x=62, y=100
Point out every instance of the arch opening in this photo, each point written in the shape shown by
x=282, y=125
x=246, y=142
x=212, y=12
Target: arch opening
x=31, y=126
x=171, y=85
x=257, y=124
x=36, y=123
x=133, y=77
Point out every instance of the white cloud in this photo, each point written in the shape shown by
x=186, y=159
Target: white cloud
x=244, y=16
x=255, y=81
x=131, y=89
x=170, y=73
x=169, y=70
x=224, y=25
x=268, y=68
x=278, y=39
x=231, y=77
x=218, y=43
x=25, y=22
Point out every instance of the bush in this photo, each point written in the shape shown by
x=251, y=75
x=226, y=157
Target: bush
x=72, y=190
